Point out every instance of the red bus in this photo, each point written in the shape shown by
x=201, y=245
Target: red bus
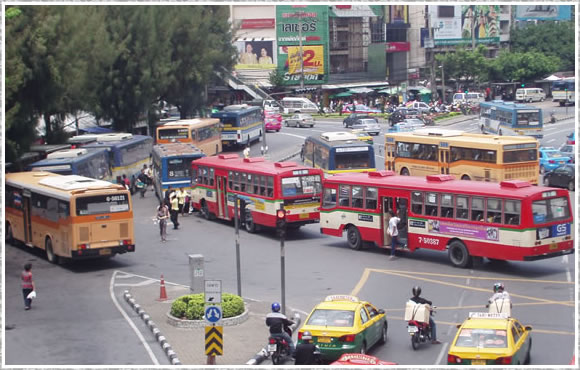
x=261, y=186
x=510, y=220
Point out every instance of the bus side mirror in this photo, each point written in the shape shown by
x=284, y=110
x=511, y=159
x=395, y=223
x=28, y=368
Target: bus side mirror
x=458, y=326
x=528, y=328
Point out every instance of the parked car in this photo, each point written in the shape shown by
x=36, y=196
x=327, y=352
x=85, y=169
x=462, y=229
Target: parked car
x=530, y=95
x=550, y=158
x=300, y=120
x=350, y=120
x=569, y=150
x=358, y=108
x=401, y=114
x=368, y=125
x=420, y=106
x=561, y=177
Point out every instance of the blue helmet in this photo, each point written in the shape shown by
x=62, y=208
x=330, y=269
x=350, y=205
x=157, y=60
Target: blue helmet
x=275, y=307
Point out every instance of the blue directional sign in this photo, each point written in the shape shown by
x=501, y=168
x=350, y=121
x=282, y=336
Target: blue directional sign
x=213, y=314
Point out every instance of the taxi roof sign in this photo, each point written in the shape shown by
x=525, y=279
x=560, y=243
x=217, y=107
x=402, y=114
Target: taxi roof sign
x=341, y=297
x=486, y=315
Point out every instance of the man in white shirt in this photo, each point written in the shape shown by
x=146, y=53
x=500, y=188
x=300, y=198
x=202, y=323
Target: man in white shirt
x=393, y=232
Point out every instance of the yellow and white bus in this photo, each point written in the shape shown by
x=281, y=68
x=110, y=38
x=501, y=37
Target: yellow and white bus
x=70, y=217
x=463, y=155
x=204, y=133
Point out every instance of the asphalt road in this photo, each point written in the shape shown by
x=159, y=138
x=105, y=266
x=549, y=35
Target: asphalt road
x=79, y=319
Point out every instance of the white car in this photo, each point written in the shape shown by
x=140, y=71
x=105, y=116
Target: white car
x=300, y=120
x=368, y=125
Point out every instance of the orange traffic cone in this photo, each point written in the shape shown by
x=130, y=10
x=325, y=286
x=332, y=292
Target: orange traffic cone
x=163, y=292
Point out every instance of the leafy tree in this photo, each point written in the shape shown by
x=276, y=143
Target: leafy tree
x=276, y=78
x=550, y=38
x=465, y=63
x=528, y=66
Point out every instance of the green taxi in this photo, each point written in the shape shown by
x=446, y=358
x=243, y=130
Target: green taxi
x=490, y=339
x=344, y=324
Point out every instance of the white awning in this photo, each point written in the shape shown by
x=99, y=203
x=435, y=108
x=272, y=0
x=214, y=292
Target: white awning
x=354, y=84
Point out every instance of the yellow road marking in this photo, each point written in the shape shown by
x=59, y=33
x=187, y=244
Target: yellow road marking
x=361, y=282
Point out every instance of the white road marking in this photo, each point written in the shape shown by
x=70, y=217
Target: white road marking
x=130, y=322
x=156, y=280
x=441, y=353
x=549, y=141
x=565, y=258
x=143, y=283
x=298, y=136
x=568, y=275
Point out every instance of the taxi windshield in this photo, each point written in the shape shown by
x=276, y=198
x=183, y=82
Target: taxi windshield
x=340, y=318
x=482, y=338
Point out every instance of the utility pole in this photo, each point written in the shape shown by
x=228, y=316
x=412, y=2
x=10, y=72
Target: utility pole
x=432, y=55
x=300, y=14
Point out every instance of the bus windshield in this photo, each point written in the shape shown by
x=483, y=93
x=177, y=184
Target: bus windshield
x=550, y=210
x=179, y=167
x=100, y=204
x=528, y=118
x=353, y=160
x=301, y=185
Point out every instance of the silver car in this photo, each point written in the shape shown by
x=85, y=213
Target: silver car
x=368, y=125
x=300, y=120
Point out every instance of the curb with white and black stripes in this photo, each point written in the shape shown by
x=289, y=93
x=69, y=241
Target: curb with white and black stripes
x=171, y=355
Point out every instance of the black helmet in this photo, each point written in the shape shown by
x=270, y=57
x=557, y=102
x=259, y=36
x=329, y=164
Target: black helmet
x=416, y=291
x=306, y=336
x=498, y=287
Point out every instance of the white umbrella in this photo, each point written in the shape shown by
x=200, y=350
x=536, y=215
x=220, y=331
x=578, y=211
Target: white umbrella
x=552, y=78
x=361, y=90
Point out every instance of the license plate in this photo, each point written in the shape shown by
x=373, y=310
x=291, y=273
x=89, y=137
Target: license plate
x=478, y=362
x=561, y=162
x=303, y=215
x=412, y=329
x=271, y=348
x=105, y=251
x=553, y=246
x=324, y=339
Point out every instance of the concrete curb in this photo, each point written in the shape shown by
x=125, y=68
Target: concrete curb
x=258, y=358
x=171, y=355
x=230, y=321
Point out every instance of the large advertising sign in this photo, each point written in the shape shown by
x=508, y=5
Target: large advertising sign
x=462, y=24
x=255, y=54
x=311, y=22
x=544, y=12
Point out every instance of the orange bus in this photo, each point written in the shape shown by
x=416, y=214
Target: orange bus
x=204, y=133
x=70, y=217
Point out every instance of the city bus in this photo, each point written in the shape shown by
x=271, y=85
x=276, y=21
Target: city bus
x=335, y=152
x=127, y=153
x=563, y=91
x=510, y=220
x=172, y=166
x=241, y=124
x=204, y=133
x=464, y=155
x=261, y=186
x=70, y=217
x=507, y=118
x=93, y=163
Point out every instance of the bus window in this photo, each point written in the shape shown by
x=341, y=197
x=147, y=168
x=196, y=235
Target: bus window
x=63, y=209
x=353, y=160
x=447, y=206
x=329, y=200
x=477, y=209
x=462, y=210
x=344, y=196
x=99, y=204
x=494, y=210
x=431, y=204
x=371, y=198
x=270, y=186
x=512, y=212
x=417, y=202
x=211, y=176
x=357, y=197
x=548, y=210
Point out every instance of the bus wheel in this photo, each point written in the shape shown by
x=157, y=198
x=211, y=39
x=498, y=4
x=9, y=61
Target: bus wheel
x=249, y=222
x=405, y=172
x=465, y=177
x=8, y=237
x=458, y=254
x=353, y=238
x=50, y=256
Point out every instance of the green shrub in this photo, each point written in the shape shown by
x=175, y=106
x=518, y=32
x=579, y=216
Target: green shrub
x=191, y=306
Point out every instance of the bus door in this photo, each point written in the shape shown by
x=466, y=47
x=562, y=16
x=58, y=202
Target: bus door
x=402, y=205
x=26, y=202
x=221, y=196
x=444, y=159
x=387, y=203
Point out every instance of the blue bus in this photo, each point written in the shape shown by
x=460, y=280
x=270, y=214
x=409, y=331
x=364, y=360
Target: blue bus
x=241, y=124
x=172, y=166
x=507, y=118
x=93, y=163
x=127, y=153
x=563, y=91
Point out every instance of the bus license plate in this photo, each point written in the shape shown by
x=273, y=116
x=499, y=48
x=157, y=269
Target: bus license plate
x=271, y=347
x=323, y=339
x=412, y=329
x=303, y=215
x=478, y=362
x=553, y=245
x=105, y=251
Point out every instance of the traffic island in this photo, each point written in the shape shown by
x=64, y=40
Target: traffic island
x=188, y=311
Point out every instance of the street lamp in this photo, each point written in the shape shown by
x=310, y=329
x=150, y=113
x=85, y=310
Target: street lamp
x=300, y=15
x=442, y=67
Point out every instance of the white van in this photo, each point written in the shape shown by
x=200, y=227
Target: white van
x=470, y=97
x=530, y=95
x=298, y=105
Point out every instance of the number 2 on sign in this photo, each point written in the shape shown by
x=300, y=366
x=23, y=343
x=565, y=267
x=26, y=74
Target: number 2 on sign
x=430, y=241
x=308, y=56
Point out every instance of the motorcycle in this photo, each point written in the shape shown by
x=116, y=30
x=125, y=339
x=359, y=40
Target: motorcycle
x=420, y=332
x=552, y=117
x=278, y=348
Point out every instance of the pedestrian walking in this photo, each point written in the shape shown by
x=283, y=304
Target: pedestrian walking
x=174, y=210
x=167, y=197
x=247, y=151
x=181, y=195
x=27, y=285
x=393, y=232
x=162, y=216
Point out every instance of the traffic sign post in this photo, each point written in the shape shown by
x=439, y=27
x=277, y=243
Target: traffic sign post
x=214, y=343
x=213, y=291
x=213, y=313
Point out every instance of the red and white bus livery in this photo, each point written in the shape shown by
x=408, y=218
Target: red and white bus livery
x=262, y=188
x=511, y=220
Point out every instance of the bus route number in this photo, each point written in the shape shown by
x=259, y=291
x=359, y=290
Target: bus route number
x=430, y=241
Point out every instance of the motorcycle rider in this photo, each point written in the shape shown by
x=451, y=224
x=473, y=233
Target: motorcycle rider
x=307, y=353
x=279, y=325
x=419, y=300
x=499, y=292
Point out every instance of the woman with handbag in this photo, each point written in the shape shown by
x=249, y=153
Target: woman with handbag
x=162, y=216
x=27, y=286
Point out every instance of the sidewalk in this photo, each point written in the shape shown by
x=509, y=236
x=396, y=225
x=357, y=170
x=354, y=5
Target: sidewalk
x=240, y=342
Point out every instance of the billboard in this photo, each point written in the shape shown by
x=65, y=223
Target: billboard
x=544, y=12
x=255, y=54
x=313, y=23
x=460, y=24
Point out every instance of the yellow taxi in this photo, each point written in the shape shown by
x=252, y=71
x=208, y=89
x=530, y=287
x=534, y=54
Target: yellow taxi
x=363, y=136
x=344, y=324
x=490, y=339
